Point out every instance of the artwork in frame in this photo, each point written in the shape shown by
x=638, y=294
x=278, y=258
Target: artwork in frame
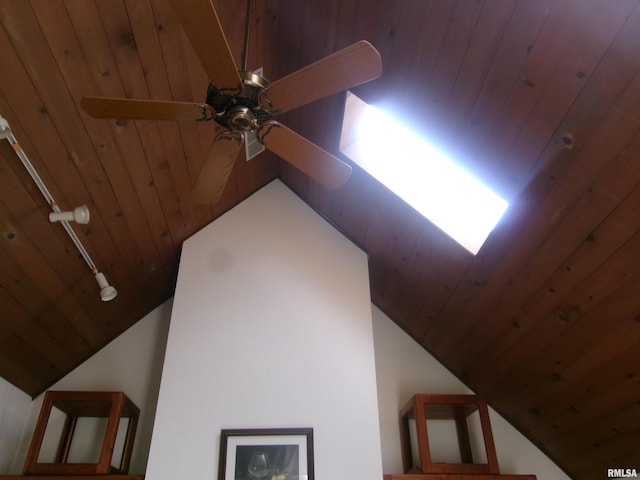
x=266, y=454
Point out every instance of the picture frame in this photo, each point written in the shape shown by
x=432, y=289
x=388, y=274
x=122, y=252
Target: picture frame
x=266, y=454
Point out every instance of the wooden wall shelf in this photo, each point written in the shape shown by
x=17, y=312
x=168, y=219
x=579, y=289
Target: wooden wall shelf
x=111, y=405
x=71, y=477
x=458, y=408
x=455, y=476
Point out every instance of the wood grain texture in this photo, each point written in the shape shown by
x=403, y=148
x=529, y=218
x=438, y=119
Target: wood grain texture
x=214, y=176
x=539, y=99
x=132, y=109
x=307, y=157
x=346, y=68
x=202, y=25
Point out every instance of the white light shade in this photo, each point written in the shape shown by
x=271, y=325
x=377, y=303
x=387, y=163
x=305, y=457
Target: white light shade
x=78, y=215
x=107, y=292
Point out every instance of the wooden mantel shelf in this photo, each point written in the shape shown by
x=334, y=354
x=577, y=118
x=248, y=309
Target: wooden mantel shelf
x=71, y=477
x=454, y=476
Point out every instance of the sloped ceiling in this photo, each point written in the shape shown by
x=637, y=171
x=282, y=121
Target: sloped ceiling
x=539, y=98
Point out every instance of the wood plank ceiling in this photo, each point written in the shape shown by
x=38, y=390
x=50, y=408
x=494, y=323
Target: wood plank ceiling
x=539, y=98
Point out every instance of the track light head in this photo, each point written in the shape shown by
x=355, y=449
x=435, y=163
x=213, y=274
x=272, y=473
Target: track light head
x=5, y=131
x=107, y=292
x=78, y=215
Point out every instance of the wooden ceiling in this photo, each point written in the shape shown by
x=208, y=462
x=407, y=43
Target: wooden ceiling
x=539, y=98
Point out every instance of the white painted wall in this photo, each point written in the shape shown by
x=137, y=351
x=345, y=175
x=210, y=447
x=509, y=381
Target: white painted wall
x=404, y=369
x=14, y=409
x=238, y=286
x=132, y=363
x=271, y=327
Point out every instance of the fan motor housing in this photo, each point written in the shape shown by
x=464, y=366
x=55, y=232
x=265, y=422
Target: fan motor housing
x=242, y=112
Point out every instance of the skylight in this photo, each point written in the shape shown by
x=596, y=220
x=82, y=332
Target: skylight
x=444, y=193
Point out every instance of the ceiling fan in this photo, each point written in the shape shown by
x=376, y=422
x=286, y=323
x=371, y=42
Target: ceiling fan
x=245, y=103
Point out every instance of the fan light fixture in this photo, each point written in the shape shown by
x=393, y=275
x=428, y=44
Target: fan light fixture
x=79, y=214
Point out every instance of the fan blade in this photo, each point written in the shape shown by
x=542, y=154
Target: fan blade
x=201, y=24
x=216, y=169
x=339, y=71
x=306, y=156
x=126, y=108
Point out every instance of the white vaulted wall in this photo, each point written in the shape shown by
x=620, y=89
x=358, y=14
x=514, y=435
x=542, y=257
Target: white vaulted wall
x=14, y=409
x=271, y=327
x=131, y=363
x=405, y=368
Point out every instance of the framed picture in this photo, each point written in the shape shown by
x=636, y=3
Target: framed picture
x=266, y=454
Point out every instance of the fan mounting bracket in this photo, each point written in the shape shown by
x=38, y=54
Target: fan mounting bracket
x=229, y=135
x=265, y=101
